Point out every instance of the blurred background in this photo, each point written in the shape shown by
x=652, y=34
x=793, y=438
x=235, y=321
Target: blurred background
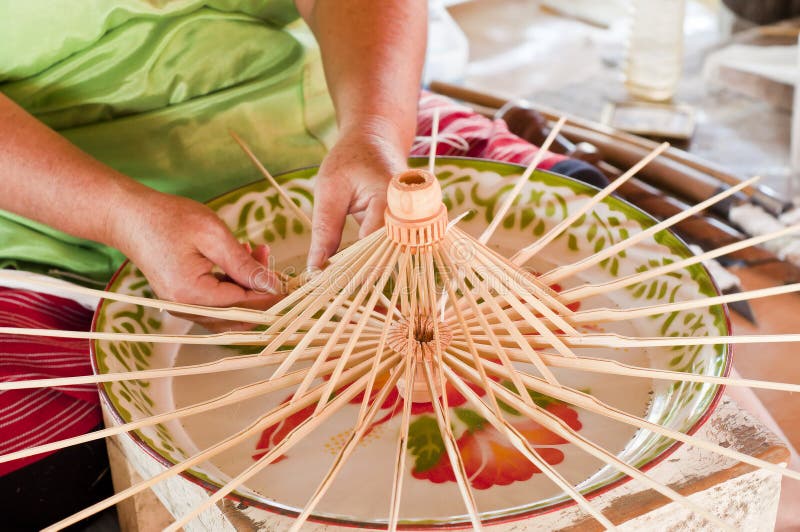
x=575, y=56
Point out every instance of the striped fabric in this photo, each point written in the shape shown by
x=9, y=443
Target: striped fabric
x=35, y=417
x=463, y=132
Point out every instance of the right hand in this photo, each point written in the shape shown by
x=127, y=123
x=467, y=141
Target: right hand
x=178, y=242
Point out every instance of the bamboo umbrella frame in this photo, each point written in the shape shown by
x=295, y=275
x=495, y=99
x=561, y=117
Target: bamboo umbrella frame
x=399, y=310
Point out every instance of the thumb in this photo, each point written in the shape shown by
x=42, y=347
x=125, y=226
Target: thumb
x=330, y=210
x=240, y=266
x=374, y=217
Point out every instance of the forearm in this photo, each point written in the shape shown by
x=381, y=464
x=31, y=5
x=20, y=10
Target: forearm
x=45, y=178
x=373, y=54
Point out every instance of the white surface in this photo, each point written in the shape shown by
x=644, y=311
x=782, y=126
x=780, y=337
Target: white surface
x=777, y=63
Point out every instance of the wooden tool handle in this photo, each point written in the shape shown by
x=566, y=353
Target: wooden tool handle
x=764, y=196
x=666, y=174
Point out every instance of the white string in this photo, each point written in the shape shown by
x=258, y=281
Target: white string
x=451, y=139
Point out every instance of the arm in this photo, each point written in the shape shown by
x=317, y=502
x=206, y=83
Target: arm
x=175, y=241
x=373, y=54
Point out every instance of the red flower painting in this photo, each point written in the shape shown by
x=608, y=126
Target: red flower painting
x=489, y=457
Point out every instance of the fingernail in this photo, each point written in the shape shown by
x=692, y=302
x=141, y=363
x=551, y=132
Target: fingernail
x=264, y=281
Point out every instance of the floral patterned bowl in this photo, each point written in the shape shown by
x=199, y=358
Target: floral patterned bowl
x=507, y=487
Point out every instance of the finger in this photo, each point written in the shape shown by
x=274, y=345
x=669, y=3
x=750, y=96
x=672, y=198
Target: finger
x=373, y=218
x=213, y=292
x=330, y=210
x=261, y=254
x=209, y=291
x=240, y=265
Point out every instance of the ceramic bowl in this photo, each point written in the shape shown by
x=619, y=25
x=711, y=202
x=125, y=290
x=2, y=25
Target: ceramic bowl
x=506, y=486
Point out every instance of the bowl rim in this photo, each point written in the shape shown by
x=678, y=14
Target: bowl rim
x=263, y=504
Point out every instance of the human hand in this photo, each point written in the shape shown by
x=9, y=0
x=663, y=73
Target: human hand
x=352, y=179
x=177, y=243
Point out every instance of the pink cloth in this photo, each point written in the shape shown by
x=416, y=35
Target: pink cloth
x=34, y=417
x=482, y=137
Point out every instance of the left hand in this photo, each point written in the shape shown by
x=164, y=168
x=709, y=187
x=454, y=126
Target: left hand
x=353, y=180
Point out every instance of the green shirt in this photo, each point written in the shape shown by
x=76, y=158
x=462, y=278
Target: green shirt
x=151, y=88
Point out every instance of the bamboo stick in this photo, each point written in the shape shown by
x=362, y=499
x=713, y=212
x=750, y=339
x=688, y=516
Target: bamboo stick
x=239, y=394
x=434, y=142
x=520, y=183
x=465, y=329
x=616, y=341
x=228, y=314
x=522, y=277
x=377, y=289
x=560, y=428
x=390, y=311
x=284, y=195
x=525, y=448
x=430, y=293
x=592, y=404
x=613, y=367
x=525, y=254
x=557, y=274
x=514, y=282
x=582, y=292
x=346, y=451
x=510, y=294
x=515, y=335
x=305, y=316
x=227, y=338
x=387, y=257
x=482, y=322
x=232, y=363
x=325, y=283
x=402, y=446
x=619, y=341
x=451, y=447
x=601, y=315
x=270, y=418
x=292, y=438
x=512, y=286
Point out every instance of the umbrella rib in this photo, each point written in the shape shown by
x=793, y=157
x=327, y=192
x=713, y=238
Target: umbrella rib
x=524, y=255
x=346, y=451
x=560, y=428
x=275, y=415
x=451, y=447
x=593, y=404
x=390, y=257
x=562, y=272
x=526, y=449
x=292, y=438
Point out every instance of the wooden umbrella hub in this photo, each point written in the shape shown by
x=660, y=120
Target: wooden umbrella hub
x=416, y=216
